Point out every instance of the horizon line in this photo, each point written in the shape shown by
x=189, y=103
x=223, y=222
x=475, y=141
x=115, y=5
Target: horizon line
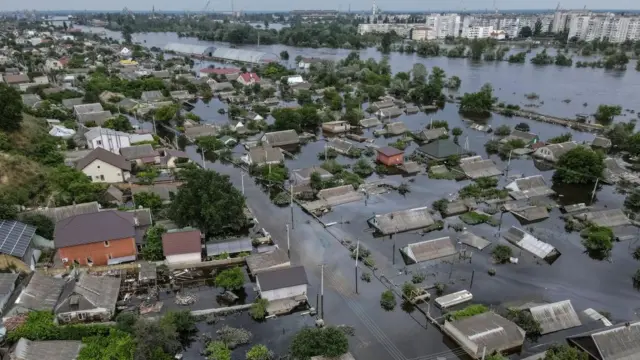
x=336, y=10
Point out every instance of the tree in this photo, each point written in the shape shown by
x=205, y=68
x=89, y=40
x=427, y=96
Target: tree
x=259, y=352
x=127, y=32
x=565, y=352
x=385, y=43
x=44, y=226
x=155, y=340
x=166, y=113
x=8, y=211
x=636, y=253
x=315, y=181
x=117, y=345
x=217, y=350
x=182, y=321
x=632, y=201
x=125, y=321
x=537, y=28
x=579, y=165
x=284, y=55
x=72, y=186
x=523, y=127
x=419, y=73
x=230, y=279
x=479, y=103
x=503, y=130
x=209, y=202
x=525, y=320
x=388, y=300
x=501, y=254
x=148, y=200
x=64, y=26
x=10, y=108
x=328, y=342
x=119, y=123
x=606, y=113
x=258, y=309
x=525, y=32
x=152, y=249
x=598, y=242
x=363, y=168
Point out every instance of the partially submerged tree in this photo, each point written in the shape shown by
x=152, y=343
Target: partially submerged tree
x=579, y=165
x=598, y=241
x=565, y=352
x=388, y=300
x=328, y=342
x=230, y=279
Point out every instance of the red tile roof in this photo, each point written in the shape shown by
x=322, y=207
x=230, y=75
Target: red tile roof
x=181, y=242
x=538, y=145
x=389, y=151
x=220, y=71
x=64, y=61
x=248, y=76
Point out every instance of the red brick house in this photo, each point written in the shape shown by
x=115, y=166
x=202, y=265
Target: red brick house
x=247, y=79
x=100, y=238
x=390, y=156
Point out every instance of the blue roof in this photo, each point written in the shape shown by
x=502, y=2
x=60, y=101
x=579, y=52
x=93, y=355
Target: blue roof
x=15, y=237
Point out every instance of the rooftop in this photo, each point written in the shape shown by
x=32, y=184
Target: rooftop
x=556, y=316
x=473, y=240
x=487, y=332
x=264, y=261
x=87, y=108
x=621, y=342
x=389, y=151
x=15, y=237
x=7, y=283
x=94, y=291
x=41, y=293
x=530, y=243
x=610, y=218
x=441, y=149
x=430, y=249
x=370, y=122
x=105, y=156
x=182, y=241
x=282, y=138
x=475, y=167
x=404, y=220
x=94, y=227
x=49, y=350
x=229, y=247
x=281, y=278
x=138, y=152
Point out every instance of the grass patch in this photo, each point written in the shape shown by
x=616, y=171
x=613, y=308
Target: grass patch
x=471, y=310
x=474, y=218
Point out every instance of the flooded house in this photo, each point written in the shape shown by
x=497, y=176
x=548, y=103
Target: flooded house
x=429, y=250
x=263, y=155
x=440, y=150
x=411, y=110
x=526, y=137
x=401, y=221
x=601, y=142
x=336, y=127
x=197, y=131
x=428, y=135
x=531, y=244
x=474, y=167
x=473, y=240
x=303, y=176
x=553, y=152
x=267, y=261
x=152, y=96
x=529, y=187
x=339, y=145
x=396, y=128
x=89, y=298
x=486, y=333
x=609, y=218
x=370, y=122
x=556, y=316
x=620, y=342
x=285, y=288
x=285, y=138
x=388, y=113
x=389, y=156
x=229, y=247
x=181, y=95
x=379, y=105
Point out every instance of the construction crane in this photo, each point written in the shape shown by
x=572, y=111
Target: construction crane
x=206, y=7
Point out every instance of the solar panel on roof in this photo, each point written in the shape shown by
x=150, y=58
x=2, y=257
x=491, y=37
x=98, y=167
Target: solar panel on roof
x=15, y=237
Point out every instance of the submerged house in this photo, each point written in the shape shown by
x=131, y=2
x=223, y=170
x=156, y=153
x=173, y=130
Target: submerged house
x=281, y=138
x=429, y=250
x=553, y=152
x=401, y=221
x=619, y=342
x=427, y=135
x=440, y=150
x=531, y=244
x=555, y=316
x=529, y=187
x=89, y=298
x=475, y=167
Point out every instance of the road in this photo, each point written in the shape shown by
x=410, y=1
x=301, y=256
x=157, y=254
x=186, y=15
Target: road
x=378, y=334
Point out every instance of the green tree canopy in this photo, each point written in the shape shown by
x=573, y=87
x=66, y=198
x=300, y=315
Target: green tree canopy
x=230, y=279
x=209, y=202
x=479, y=103
x=119, y=123
x=579, y=165
x=217, y=350
x=632, y=201
x=10, y=108
x=155, y=340
x=565, y=352
x=259, y=352
x=328, y=341
x=44, y=226
x=148, y=200
x=598, y=240
x=117, y=345
x=72, y=186
x=152, y=249
x=606, y=113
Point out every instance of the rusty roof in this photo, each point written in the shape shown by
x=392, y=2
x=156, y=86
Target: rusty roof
x=181, y=242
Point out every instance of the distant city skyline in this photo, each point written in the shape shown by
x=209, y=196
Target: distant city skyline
x=285, y=5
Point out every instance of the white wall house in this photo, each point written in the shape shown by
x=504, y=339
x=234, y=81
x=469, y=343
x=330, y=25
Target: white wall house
x=52, y=64
x=553, y=152
x=295, y=79
x=283, y=283
x=182, y=246
x=108, y=139
x=102, y=166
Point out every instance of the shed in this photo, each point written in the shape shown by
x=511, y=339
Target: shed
x=620, y=342
x=229, y=247
x=401, y=221
x=182, y=246
x=475, y=167
x=304, y=175
x=370, y=122
x=556, y=316
x=575, y=208
x=378, y=105
x=7, y=286
x=441, y=149
x=609, y=218
x=282, y=283
x=531, y=213
x=46, y=350
x=601, y=142
x=195, y=132
x=264, y=155
x=281, y=138
x=486, y=333
x=267, y=261
x=341, y=146
x=411, y=167
x=389, y=113
x=429, y=250
x=390, y=156
x=336, y=127
x=529, y=187
x=453, y=299
x=431, y=134
x=411, y=110
x=473, y=240
x=528, y=242
x=40, y=294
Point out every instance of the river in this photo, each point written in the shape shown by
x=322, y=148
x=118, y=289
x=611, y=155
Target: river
x=511, y=82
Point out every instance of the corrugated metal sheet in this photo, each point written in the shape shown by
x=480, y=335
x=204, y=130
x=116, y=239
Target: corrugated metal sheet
x=556, y=316
x=239, y=54
x=529, y=243
x=453, y=299
x=430, y=249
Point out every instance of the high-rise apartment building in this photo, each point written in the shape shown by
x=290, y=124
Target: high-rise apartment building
x=615, y=29
x=444, y=25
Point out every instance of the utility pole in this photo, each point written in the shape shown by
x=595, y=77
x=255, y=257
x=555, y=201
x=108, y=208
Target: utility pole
x=203, y=163
x=394, y=249
x=595, y=188
x=291, y=204
x=288, y=243
x=357, y=255
x=473, y=273
x=484, y=352
x=322, y=291
x=242, y=180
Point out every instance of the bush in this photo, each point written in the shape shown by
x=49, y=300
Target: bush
x=230, y=279
x=365, y=276
x=471, y=310
x=525, y=320
x=40, y=326
x=492, y=272
x=258, y=310
x=388, y=300
x=440, y=287
x=523, y=127
x=503, y=130
x=409, y=290
x=418, y=278
x=233, y=337
x=474, y=218
x=501, y=254
x=456, y=131
x=598, y=240
x=328, y=342
x=217, y=350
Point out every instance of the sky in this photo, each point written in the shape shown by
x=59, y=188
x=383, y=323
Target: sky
x=286, y=5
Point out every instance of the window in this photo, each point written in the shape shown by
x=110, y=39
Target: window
x=98, y=142
x=81, y=316
x=109, y=256
x=102, y=177
x=89, y=260
x=98, y=166
x=106, y=243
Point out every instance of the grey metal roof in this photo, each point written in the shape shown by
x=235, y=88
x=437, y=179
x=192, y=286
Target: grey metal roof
x=556, y=316
x=59, y=213
x=188, y=48
x=488, y=331
x=404, y=220
x=106, y=156
x=229, y=247
x=87, y=108
x=261, y=262
x=162, y=190
x=93, y=227
x=282, y=138
x=432, y=134
x=441, y=149
x=281, y=278
x=370, y=122
x=610, y=218
x=71, y=103
x=531, y=213
x=239, y=54
x=153, y=95
x=98, y=131
x=41, y=293
x=529, y=243
x=30, y=99
x=621, y=342
x=475, y=167
x=15, y=237
x=265, y=154
x=601, y=142
x=49, y=350
x=99, y=117
x=396, y=128
x=473, y=240
x=200, y=130
x=305, y=173
x=138, y=152
x=340, y=145
x=7, y=283
x=430, y=249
